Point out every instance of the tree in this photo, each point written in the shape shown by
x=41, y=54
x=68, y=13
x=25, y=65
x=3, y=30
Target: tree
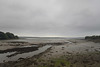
x=16, y=37
x=92, y=37
x=3, y=35
x=7, y=35
x=10, y=35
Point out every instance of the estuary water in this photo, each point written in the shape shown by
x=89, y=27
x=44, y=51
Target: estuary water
x=4, y=58
x=39, y=39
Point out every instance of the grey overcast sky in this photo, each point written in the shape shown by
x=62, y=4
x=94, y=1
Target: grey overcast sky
x=50, y=17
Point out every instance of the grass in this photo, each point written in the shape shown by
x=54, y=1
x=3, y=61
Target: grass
x=55, y=62
x=78, y=60
x=61, y=62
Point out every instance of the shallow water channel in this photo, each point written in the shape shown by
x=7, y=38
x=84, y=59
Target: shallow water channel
x=4, y=58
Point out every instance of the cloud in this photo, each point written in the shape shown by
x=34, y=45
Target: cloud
x=50, y=17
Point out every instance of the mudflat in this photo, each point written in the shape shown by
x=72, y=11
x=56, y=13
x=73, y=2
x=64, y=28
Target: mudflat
x=75, y=53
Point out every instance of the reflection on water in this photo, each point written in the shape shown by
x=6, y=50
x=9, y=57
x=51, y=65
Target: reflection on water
x=40, y=39
x=3, y=57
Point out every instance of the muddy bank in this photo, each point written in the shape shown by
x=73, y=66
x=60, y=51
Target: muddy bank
x=24, y=52
x=22, y=48
x=13, y=44
x=19, y=50
x=91, y=59
x=77, y=53
x=24, y=62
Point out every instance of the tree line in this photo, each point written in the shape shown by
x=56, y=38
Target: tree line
x=7, y=35
x=94, y=37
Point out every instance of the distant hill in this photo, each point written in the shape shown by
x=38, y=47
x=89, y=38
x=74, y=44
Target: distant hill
x=7, y=35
